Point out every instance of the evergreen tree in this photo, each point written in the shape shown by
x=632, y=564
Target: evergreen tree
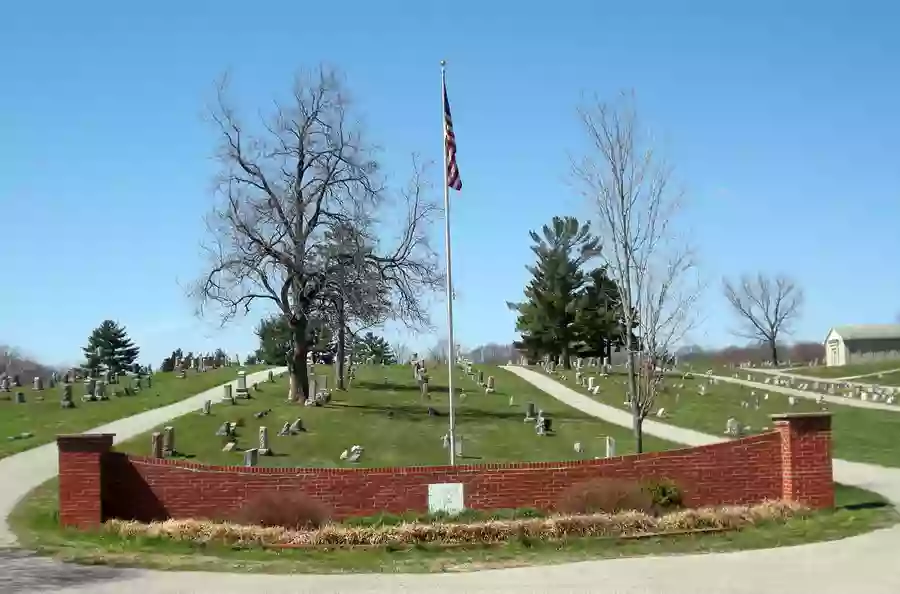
x=547, y=317
x=598, y=320
x=378, y=348
x=168, y=364
x=275, y=340
x=109, y=345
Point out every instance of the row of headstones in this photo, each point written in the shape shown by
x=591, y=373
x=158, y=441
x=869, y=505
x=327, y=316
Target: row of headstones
x=872, y=393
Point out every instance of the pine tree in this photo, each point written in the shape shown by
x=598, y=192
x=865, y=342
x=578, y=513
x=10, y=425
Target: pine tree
x=598, y=320
x=547, y=317
x=275, y=343
x=110, y=346
x=378, y=348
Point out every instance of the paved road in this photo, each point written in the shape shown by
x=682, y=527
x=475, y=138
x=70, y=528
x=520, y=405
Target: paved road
x=866, y=562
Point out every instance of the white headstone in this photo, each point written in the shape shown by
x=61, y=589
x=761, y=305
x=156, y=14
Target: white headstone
x=610, y=447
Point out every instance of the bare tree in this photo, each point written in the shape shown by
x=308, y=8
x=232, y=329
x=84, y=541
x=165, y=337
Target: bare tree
x=766, y=307
x=289, y=186
x=402, y=352
x=439, y=352
x=631, y=189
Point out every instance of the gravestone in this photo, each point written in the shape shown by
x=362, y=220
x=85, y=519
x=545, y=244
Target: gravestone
x=590, y=384
x=150, y=380
x=156, y=444
x=16, y=381
x=20, y=397
x=264, y=449
x=529, y=412
x=610, y=446
x=89, y=386
x=99, y=391
x=4, y=383
x=285, y=429
x=423, y=388
x=168, y=441
x=227, y=388
x=490, y=385
x=251, y=457
x=271, y=376
x=38, y=383
x=480, y=377
x=242, y=391
x=207, y=407
x=66, y=401
x=224, y=430
x=297, y=426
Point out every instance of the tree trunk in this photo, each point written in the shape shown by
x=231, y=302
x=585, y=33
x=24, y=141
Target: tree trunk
x=774, y=348
x=298, y=370
x=341, y=345
x=567, y=363
x=637, y=424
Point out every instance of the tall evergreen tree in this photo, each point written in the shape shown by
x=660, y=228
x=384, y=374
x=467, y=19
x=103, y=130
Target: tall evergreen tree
x=598, y=319
x=109, y=345
x=547, y=317
x=378, y=348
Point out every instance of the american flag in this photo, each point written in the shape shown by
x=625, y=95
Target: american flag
x=453, y=179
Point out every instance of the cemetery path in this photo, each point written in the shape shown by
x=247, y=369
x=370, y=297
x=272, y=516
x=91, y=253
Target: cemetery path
x=822, y=568
x=807, y=394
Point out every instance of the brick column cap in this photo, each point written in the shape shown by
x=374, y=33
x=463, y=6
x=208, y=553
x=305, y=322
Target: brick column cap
x=85, y=442
x=800, y=415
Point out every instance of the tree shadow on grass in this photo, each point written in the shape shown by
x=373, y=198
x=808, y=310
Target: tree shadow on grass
x=864, y=505
x=381, y=386
x=419, y=411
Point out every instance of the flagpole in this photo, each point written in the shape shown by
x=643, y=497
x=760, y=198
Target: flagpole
x=451, y=350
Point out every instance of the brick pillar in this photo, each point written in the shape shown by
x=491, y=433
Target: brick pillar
x=806, y=474
x=80, y=478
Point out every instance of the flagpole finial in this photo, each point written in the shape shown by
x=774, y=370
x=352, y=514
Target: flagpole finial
x=443, y=63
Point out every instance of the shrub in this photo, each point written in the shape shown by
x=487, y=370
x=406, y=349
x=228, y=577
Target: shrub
x=286, y=509
x=666, y=494
x=605, y=495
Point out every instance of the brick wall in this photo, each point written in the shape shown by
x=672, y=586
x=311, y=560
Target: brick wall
x=792, y=462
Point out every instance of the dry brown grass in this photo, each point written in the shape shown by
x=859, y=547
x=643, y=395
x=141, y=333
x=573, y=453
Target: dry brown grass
x=622, y=524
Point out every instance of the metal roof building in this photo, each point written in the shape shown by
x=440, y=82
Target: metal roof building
x=862, y=343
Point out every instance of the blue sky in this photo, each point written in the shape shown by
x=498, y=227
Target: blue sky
x=781, y=118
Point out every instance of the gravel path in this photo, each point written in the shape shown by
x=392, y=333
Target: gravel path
x=824, y=568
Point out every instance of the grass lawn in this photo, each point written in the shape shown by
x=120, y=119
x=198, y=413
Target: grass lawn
x=35, y=521
x=887, y=379
x=383, y=413
x=42, y=415
x=848, y=370
x=858, y=434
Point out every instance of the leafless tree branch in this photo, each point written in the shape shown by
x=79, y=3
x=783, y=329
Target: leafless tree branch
x=631, y=187
x=766, y=307
x=291, y=185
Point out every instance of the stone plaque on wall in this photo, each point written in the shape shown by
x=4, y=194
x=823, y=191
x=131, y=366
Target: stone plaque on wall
x=446, y=497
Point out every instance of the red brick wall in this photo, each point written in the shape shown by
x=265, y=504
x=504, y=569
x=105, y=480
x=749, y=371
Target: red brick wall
x=792, y=462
